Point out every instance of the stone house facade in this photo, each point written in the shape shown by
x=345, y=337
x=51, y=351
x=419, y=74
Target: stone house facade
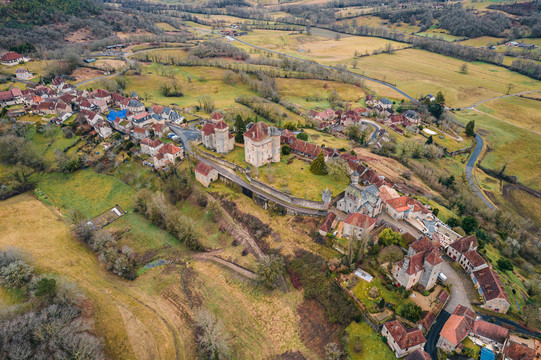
x=402, y=341
x=216, y=136
x=261, y=144
x=205, y=174
x=421, y=265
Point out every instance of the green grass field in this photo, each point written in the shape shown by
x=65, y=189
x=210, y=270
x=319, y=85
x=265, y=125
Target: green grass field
x=373, y=347
x=515, y=147
x=327, y=140
x=419, y=72
x=481, y=41
x=48, y=142
x=519, y=111
x=85, y=190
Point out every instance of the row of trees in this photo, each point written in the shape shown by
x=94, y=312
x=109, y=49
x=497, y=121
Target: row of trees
x=48, y=323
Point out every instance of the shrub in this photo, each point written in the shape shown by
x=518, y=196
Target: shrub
x=389, y=237
x=286, y=150
x=318, y=166
x=302, y=136
x=505, y=264
x=410, y=312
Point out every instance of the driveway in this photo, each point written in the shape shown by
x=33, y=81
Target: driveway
x=402, y=225
x=459, y=295
x=434, y=334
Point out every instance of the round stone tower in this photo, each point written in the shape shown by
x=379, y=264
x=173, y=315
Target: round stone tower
x=326, y=196
x=355, y=178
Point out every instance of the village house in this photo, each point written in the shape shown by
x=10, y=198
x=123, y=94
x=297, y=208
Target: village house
x=325, y=115
x=329, y=222
x=122, y=125
x=413, y=116
x=261, y=144
x=132, y=105
x=98, y=104
x=23, y=74
x=11, y=97
x=57, y=83
x=142, y=119
x=490, y=287
x=401, y=341
x=160, y=130
x=421, y=265
x=87, y=105
x=11, y=58
x=358, y=225
x=205, y=174
x=150, y=147
x=387, y=193
x=461, y=246
x=515, y=351
x=471, y=261
x=103, y=128
x=139, y=133
x=167, y=155
x=118, y=99
x=385, y=103
x=488, y=334
x=91, y=117
x=102, y=95
x=456, y=328
x=305, y=149
x=418, y=354
x=216, y=136
x=30, y=100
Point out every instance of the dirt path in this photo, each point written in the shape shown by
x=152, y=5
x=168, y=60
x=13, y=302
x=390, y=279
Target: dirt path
x=211, y=256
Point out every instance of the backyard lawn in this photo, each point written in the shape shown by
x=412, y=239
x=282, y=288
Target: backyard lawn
x=84, y=190
x=373, y=347
x=363, y=287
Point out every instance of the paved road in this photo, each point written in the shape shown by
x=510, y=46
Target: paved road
x=459, y=295
x=434, y=334
x=374, y=135
x=469, y=172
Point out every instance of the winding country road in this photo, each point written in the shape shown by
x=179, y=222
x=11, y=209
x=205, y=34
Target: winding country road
x=498, y=97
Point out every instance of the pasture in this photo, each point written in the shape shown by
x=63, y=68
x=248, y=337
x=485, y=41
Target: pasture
x=419, y=72
x=522, y=112
x=135, y=319
x=517, y=148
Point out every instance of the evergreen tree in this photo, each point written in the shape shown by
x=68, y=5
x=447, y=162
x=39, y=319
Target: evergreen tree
x=440, y=99
x=318, y=166
x=470, y=128
x=430, y=140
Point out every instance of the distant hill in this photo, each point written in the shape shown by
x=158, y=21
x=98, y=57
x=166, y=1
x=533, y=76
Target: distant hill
x=25, y=13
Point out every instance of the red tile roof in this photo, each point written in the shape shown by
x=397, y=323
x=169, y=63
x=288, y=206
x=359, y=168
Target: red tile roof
x=490, y=331
x=203, y=168
x=443, y=296
x=418, y=354
x=360, y=220
x=208, y=129
x=456, y=329
x=400, y=204
x=422, y=244
x=217, y=116
x=305, y=148
x=258, y=132
x=139, y=130
x=490, y=284
x=169, y=149
x=158, y=109
x=428, y=319
x=405, y=339
x=152, y=143
x=10, y=56
x=327, y=222
x=141, y=115
x=465, y=244
x=474, y=258
x=516, y=351
x=221, y=125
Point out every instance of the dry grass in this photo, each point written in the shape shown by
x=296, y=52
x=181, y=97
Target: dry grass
x=82, y=74
x=523, y=112
x=419, y=72
x=123, y=310
x=261, y=323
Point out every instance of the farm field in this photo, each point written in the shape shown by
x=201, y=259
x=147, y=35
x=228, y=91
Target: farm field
x=439, y=34
x=313, y=47
x=314, y=93
x=516, y=110
x=166, y=26
x=418, y=72
x=375, y=21
x=481, y=41
x=520, y=149
x=133, y=317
